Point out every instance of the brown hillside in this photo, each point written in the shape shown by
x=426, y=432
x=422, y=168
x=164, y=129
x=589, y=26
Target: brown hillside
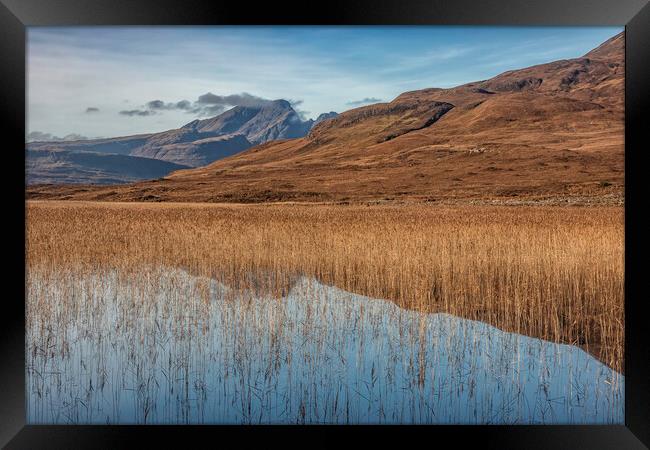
x=551, y=132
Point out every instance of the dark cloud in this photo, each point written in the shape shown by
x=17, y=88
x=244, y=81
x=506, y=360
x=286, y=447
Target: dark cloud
x=243, y=99
x=39, y=136
x=184, y=105
x=364, y=101
x=209, y=99
x=208, y=104
x=295, y=104
x=138, y=112
x=91, y=109
x=157, y=104
x=210, y=110
x=304, y=115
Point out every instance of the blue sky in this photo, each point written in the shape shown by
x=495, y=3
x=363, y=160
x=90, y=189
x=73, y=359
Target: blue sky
x=114, y=81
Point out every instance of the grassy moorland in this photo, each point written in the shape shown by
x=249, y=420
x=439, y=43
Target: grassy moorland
x=550, y=272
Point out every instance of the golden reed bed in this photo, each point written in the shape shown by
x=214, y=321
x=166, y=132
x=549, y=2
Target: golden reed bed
x=551, y=272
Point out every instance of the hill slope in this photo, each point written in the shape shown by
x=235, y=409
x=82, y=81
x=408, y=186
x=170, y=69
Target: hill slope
x=63, y=166
x=551, y=132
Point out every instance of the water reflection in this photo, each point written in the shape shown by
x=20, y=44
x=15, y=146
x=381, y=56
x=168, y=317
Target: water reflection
x=175, y=348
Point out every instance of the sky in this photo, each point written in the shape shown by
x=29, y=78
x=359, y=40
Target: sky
x=117, y=81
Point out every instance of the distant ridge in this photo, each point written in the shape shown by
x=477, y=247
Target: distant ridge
x=195, y=144
x=63, y=166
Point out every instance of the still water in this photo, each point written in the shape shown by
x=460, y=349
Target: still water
x=179, y=349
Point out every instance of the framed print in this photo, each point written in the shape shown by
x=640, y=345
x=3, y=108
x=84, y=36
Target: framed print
x=389, y=218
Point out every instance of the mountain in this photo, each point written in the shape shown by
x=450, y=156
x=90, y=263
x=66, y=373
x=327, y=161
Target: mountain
x=267, y=122
x=198, y=143
x=118, y=145
x=325, y=116
x=201, y=150
x=64, y=166
x=547, y=133
x=203, y=141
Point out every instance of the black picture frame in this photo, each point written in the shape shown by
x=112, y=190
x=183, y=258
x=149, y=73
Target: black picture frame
x=16, y=15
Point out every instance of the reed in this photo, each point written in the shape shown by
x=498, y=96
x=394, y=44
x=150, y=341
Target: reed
x=550, y=272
